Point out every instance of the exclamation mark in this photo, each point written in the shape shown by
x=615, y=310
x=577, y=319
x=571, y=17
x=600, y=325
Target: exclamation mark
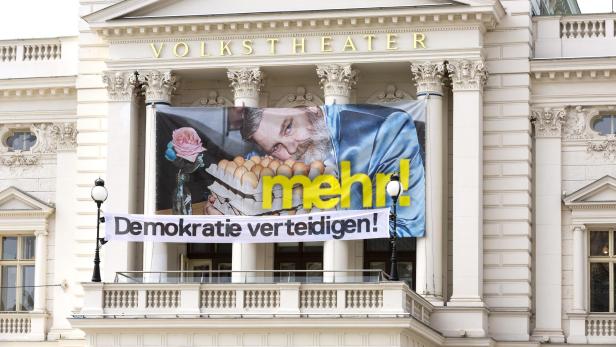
x=374, y=215
x=404, y=199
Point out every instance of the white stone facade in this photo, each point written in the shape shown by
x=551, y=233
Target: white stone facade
x=518, y=178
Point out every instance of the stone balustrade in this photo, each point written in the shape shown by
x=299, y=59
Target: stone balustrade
x=601, y=328
x=47, y=57
x=128, y=300
x=22, y=326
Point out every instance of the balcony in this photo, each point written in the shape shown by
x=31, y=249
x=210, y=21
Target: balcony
x=22, y=326
x=31, y=58
x=580, y=36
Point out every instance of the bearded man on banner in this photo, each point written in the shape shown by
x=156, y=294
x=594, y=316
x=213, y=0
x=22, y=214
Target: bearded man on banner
x=372, y=138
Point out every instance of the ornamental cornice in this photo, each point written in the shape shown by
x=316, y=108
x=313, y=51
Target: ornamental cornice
x=246, y=82
x=42, y=92
x=572, y=69
x=428, y=77
x=548, y=121
x=467, y=74
x=485, y=17
x=157, y=85
x=337, y=79
x=120, y=84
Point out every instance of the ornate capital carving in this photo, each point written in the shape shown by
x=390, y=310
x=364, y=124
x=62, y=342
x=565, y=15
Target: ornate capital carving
x=580, y=227
x=120, y=85
x=428, y=77
x=246, y=82
x=158, y=85
x=337, y=79
x=467, y=75
x=607, y=147
x=548, y=122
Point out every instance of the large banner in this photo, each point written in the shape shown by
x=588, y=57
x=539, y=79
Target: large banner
x=245, y=161
x=319, y=226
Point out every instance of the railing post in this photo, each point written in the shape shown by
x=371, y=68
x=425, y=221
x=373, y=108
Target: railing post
x=141, y=298
x=239, y=300
x=394, y=298
x=289, y=298
x=189, y=299
x=92, y=299
x=341, y=300
x=609, y=27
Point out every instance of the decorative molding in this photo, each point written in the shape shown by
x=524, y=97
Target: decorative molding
x=576, y=123
x=246, y=82
x=213, y=100
x=37, y=92
x=428, y=77
x=120, y=85
x=301, y=97
x=607, y=147
x=597, y=194
x=391, y=94
x=337, y=79
x=50, y=138
x=157, y=85
x=548, y=122
x=467, y=74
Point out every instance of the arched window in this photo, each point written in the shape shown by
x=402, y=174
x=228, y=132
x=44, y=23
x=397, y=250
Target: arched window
x=605, y=125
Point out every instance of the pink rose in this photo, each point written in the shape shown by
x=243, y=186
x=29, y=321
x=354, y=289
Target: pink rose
x=187, y=143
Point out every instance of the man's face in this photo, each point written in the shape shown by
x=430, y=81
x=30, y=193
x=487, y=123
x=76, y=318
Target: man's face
x=285, y=133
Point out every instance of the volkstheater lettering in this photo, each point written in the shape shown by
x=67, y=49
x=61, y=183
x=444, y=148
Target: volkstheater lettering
x=290, y=45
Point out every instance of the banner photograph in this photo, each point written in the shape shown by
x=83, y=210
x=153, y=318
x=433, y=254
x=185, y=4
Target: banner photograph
x=245, y=161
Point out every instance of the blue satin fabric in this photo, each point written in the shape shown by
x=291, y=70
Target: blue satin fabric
x=374, y=139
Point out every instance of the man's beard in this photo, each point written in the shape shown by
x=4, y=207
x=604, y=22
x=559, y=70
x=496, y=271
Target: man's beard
x=319, y=146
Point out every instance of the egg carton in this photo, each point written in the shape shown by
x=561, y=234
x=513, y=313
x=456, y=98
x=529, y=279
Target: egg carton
x=241, y=189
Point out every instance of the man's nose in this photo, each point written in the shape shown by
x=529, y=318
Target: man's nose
x=291, y=146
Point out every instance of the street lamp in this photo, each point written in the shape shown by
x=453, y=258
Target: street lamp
x=394, y=189
x=99, y=195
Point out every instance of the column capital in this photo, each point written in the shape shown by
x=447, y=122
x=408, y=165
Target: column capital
x=120, y=85
x=337, y=79
x=548, y=121
x=40, y=233
x=158, y=85
x=428, y=77
x=467, y=74
x=246, y=81
x=580, y=227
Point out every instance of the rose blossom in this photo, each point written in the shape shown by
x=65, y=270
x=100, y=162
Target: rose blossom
x=187, y=143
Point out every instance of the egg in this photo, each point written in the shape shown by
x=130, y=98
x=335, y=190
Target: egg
x=256, y=169
x=289, y=162
x=239, y=161
x=239, y=172
x=300, y=167
x=267, y=172
x=265, y=161
x=256, y=159
x=223, y=164
x=274, y=164
x=284, y=170
x=251, y=179
x=249, y=164
x=317, y=164
x=230, y=168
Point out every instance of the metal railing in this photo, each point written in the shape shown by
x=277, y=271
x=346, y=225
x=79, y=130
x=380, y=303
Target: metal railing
x=252, y=276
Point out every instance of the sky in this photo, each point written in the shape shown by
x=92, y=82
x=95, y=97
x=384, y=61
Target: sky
x=52, y=18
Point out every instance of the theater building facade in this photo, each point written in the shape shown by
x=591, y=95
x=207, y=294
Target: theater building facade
x=520, y=243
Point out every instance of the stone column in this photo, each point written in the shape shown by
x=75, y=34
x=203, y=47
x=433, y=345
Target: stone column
x=40, y=270
x=428, y=78
x=122, y=159
x=548, y=255
x=158, y=86
x=577, y=316
x=246, y=83
x=337, y=80
x=468, y=78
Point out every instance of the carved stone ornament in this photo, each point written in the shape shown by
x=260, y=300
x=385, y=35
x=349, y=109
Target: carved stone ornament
x=467, y=75
x=428, y=77
x=246, y=82
x=575, y=123
x=120, y=85
x=158, y=86
x=607, y=147
x=213, y=99
x=337, y=79
x=50, y=138
x=301, y=97
x=548, y=122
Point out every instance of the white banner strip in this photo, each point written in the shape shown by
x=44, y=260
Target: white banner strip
x=320, y=226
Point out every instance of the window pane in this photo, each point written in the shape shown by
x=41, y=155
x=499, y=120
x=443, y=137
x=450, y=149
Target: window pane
x=287, y=247
x=599, y=287
x=27, y=249
x=604, y=125
x=313, y=247
x=9, y=248
x=377, y=245
x=27, y=292
x=7, y=295
x=21, y=141
x=599, y=244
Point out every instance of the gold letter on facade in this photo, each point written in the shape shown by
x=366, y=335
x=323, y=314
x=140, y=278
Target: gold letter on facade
x=418, y=40
x=301, y=44
x=369, y=38
x=391, y=42
x=155, y=51
x=326, y=43
x=224, y=48
x=184, y=52
x=349, y=45
x=272, y=43
x=247, y=44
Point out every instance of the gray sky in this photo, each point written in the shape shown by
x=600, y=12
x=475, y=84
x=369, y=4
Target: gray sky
x=51, y=18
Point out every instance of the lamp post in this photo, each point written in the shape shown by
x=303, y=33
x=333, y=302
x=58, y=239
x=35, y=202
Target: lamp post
x=99, y=195
x=394, y=189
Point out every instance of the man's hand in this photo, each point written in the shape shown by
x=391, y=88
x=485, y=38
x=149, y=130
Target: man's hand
x=209, y=208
